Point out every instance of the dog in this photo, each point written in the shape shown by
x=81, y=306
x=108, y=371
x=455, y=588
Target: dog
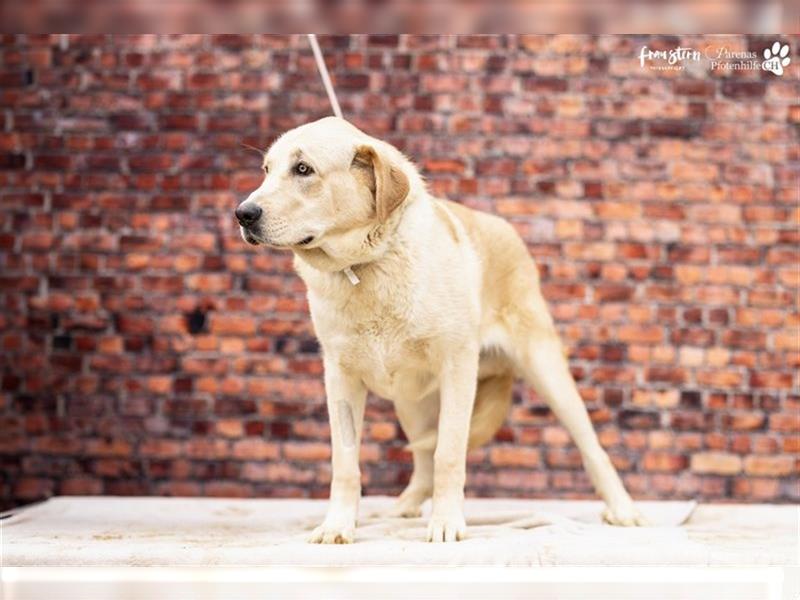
x=422, y=301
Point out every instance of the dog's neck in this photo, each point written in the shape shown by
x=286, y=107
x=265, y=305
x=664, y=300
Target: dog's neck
x=355, y=248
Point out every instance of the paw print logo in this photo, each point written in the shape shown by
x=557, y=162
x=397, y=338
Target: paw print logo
x=776, y=58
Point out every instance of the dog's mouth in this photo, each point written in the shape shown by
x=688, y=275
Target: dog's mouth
x=255, y=239
x=251, y=238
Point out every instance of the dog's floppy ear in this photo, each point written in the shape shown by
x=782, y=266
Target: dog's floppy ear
x=387, y=182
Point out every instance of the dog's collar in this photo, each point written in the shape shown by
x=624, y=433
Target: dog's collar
x=351, y=276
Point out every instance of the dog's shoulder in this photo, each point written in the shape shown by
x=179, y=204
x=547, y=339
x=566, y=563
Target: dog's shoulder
x=488, y=233
x=503, y=254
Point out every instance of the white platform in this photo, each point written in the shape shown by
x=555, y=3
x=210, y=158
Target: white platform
x=529, y=536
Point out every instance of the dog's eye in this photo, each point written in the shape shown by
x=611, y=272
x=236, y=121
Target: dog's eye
x=303, y=169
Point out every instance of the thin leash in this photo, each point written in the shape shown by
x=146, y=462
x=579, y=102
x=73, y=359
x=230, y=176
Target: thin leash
x=337, y=110
x=323, y=72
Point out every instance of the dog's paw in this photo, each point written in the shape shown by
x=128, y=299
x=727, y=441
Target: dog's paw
x=624, y=515
x=447, y=528
x=408, y=504
x=403, y=508
x=333, y=534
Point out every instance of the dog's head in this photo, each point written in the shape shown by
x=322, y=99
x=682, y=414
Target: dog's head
x=327, y=187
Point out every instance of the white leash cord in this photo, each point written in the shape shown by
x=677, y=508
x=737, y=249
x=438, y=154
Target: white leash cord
x=337, y=110
x=323, y=72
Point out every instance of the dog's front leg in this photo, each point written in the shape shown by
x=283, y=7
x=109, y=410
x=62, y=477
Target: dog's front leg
x=346, y=398
x=457, y=395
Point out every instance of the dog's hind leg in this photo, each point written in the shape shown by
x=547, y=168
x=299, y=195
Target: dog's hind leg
x=542, y=362
x=418, y=421
x=492, y=401
x=419, y=489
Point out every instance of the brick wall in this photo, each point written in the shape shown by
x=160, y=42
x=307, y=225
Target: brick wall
x=147, y=350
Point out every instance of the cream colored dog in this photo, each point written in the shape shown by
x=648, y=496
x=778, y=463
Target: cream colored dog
x=427, y=303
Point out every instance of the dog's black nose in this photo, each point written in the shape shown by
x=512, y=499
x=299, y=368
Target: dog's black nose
x=247, y=213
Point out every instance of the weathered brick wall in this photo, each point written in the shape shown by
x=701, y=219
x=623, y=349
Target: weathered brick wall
x=147, y=350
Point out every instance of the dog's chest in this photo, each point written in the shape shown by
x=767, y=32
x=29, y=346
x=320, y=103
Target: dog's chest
x=375, y=336
x=391, y=366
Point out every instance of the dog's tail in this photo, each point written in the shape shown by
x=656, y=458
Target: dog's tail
x=492, y=401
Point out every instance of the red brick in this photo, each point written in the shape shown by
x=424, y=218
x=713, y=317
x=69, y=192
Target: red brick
x=228, y=489
x=307, y=452
x=112, y=447
x=757, y=489
x=382, y=431
x=222, y=324
x=514, y=456
x=161, y=448
x=664, y=461
x=745, y=421
x=207, y=448
x=32, y=488
x=650, y=334
x=717, y=463
x=255, y=449
x=770, y=466
x=231, y=428
x=444, y=166
x=80, y=486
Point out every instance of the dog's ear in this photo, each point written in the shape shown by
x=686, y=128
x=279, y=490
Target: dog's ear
x=389, y=185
